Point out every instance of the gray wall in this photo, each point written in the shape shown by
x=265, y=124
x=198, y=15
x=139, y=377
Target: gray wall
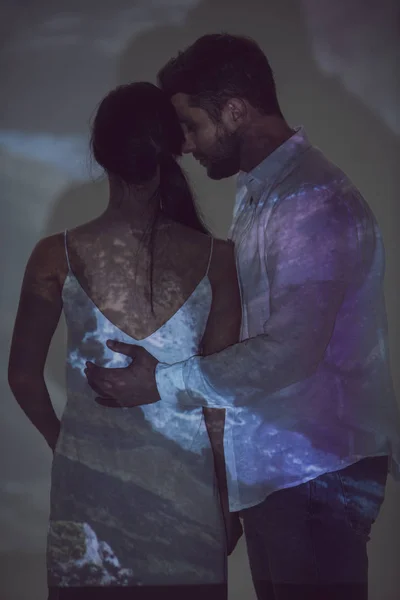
x=335, y=67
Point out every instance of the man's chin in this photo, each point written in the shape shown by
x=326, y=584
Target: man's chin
x=217, y=174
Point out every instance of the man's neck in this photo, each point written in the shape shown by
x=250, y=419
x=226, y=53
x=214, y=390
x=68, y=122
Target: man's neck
x=261, y=139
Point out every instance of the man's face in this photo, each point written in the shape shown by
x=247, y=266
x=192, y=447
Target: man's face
x=216, y=147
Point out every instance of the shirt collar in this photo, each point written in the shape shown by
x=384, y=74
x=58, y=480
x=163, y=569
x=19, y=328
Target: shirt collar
x=267, y=171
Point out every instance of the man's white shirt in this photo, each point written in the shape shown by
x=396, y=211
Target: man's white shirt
x=308, y=389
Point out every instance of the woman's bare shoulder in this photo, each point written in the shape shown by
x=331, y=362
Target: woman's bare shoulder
x=48, y=256
x=50, y=247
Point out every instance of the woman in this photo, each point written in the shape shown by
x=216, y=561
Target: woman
x=135, y=510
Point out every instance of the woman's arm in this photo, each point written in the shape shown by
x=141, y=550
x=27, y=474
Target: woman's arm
x=38, y=314
x=224, y=321
x=222, y=330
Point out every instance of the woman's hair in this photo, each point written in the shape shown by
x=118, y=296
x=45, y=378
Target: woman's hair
x=220, y=66
x=136, y=130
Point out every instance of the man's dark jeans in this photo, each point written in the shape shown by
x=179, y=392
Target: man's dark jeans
x=309, y=542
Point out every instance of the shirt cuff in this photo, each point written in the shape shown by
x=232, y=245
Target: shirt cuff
x=170, y=382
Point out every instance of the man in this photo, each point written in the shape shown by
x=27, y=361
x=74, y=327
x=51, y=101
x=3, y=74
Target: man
x=312, y=425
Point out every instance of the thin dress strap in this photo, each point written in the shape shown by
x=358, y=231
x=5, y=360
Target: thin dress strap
x=209, y=260
x=66, y=249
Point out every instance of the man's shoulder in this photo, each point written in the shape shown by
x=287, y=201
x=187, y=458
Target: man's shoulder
x=315, y=178
x=315, y=170
x=316, y=187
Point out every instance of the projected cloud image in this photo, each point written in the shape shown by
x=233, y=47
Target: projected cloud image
x=66, y=61
x=358, y=42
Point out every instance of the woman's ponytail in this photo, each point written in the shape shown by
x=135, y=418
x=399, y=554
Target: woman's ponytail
x=178, y=201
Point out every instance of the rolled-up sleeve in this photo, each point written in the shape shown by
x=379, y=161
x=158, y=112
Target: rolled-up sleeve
x=311, y=258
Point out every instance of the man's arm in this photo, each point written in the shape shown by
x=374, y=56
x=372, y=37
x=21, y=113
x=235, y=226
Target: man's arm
x=311, y=259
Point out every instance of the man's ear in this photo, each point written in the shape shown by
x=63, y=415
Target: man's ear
x=234, y=113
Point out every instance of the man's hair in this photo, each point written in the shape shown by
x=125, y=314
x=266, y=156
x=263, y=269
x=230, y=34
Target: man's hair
x=217, y=67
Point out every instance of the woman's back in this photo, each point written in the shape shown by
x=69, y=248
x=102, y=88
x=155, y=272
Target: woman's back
x=112, y=265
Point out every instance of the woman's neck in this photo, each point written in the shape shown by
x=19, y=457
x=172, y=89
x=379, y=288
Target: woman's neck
x=135, y=205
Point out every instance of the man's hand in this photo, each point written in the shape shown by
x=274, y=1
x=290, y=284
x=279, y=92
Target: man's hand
x=127, y=386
